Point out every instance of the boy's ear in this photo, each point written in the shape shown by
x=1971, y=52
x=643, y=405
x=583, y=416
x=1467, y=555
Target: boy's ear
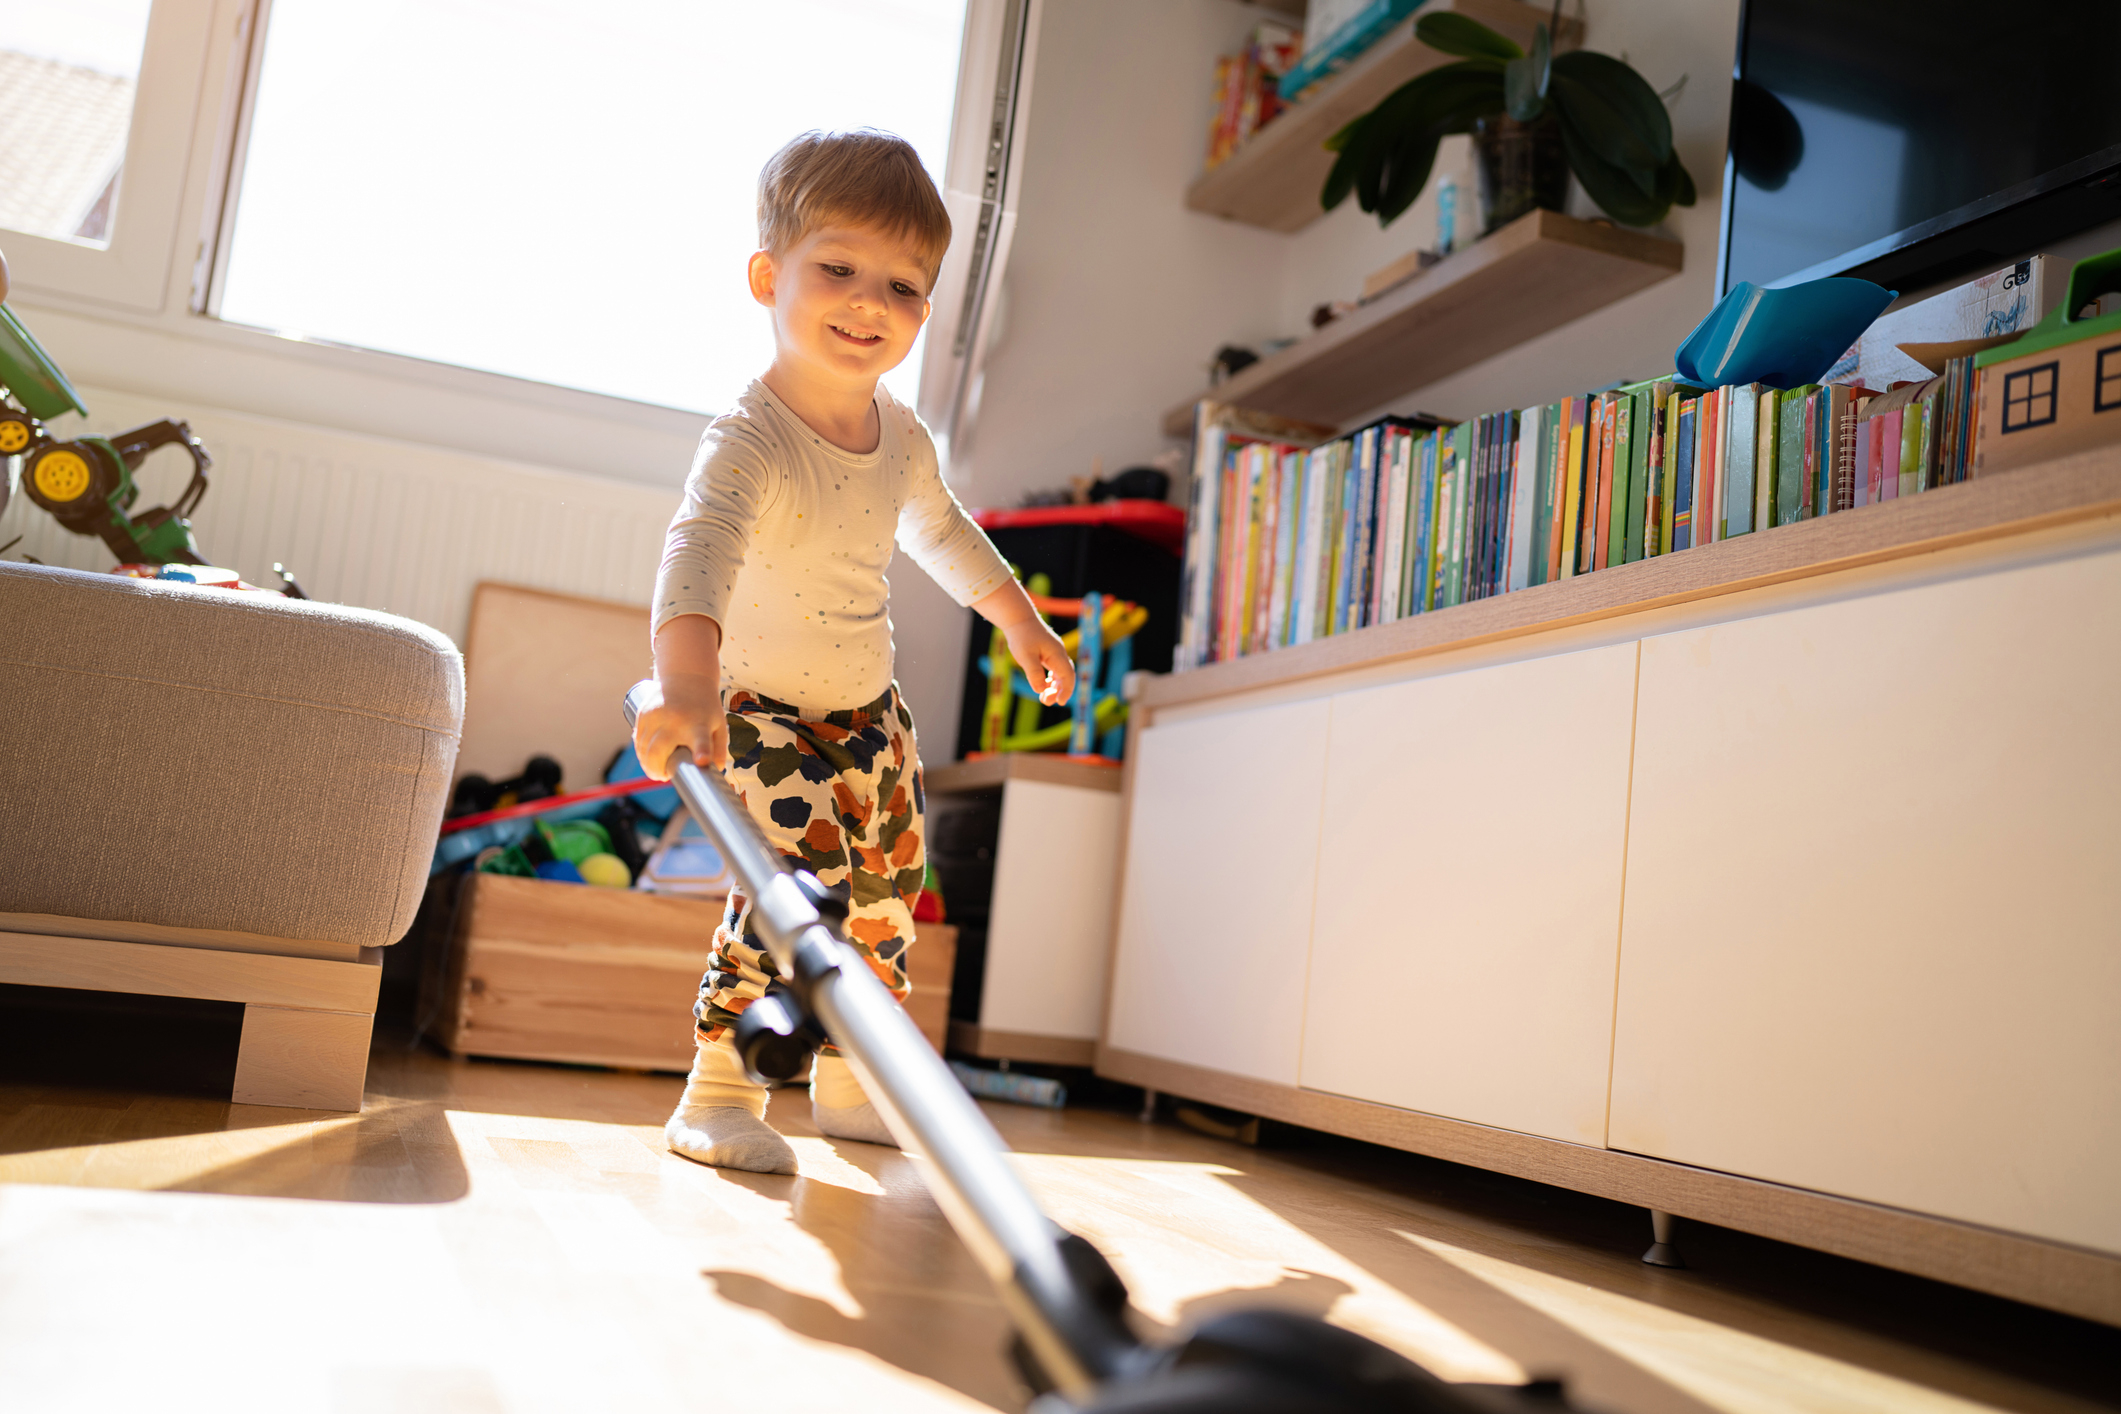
x=764, y=272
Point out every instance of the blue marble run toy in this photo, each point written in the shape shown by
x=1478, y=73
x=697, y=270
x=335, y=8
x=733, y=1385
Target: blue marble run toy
x=1102, y=644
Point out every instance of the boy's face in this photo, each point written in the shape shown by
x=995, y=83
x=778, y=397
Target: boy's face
x=847, y=301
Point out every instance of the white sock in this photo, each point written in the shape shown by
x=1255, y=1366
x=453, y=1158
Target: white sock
x=839, y=1108
x=721, y=1119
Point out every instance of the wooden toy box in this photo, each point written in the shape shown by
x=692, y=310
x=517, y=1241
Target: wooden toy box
x=535, y=970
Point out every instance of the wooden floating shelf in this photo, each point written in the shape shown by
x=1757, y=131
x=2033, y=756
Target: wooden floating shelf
x=2084, y=486
x=1532, y=276
x=1273, y=180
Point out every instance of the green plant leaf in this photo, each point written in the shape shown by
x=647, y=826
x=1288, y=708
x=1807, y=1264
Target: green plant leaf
x=1607, y=131
x=1616, y=191
x=1683, y=182
x=1444, y=100
x=1450, y=33
x=1626, y=91
x=1407, y=173
x=1524, y=81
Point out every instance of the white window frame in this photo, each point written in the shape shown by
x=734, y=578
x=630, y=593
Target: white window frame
x=141, y=316
x=132, y=272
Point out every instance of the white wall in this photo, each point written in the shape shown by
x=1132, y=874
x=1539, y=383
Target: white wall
x=1117, y=296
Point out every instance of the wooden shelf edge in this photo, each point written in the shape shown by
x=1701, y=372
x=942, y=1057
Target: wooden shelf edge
x=1030, y=1047
x=2074, y=1280
x=989, y=773
x=1272, y=180
x=2079, y=487
x=1521, y=239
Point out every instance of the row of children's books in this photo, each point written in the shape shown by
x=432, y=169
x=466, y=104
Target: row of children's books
x=1287, y=543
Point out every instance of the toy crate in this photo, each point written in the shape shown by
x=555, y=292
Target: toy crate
x=546, y=971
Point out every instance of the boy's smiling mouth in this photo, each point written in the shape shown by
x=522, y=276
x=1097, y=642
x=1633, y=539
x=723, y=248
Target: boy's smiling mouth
x=855, y=337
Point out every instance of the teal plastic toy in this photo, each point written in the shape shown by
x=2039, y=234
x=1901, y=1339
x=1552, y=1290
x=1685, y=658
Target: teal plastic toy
x=87, y=482
x=1783, y=338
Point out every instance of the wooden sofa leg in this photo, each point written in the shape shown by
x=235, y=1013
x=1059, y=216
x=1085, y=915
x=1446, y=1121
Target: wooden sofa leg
x=313, y=1060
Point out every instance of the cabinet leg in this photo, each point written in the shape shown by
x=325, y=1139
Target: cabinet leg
x=312, y=1060
x=1148, y=1110
x=1664, y=1245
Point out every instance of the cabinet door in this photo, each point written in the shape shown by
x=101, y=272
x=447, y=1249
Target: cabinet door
x=1873, y=932
x=1049, y=934
x=1468, y=905
x=1216, y=918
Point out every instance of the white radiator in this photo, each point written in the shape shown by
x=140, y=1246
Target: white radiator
x=404, y=528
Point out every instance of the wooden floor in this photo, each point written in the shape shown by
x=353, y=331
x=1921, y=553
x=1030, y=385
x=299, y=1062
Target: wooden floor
x=493, y=1236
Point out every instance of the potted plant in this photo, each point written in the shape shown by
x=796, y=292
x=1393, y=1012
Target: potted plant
x=1534, y=119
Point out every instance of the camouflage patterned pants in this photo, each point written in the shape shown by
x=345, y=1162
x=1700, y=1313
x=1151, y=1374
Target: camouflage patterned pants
x=841, y=797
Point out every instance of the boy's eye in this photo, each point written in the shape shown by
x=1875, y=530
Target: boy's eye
x=905, y=289
x=843, y=271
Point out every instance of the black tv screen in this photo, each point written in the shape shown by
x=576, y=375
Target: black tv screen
x=1912, y=141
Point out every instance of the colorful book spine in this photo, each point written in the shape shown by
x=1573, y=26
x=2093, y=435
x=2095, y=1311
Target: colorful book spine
x=1289, y=513
x=1683, y=500
x=1524, y=502
x=1462, y=469
x=1544, y=501
x=1391, y=525
x=1615, y=535
x=1197, y=585
x=1708, y=464
x=1421, y=574
x=1643, y=442
x=1741, y=448
x=1766, y=425
x=1657, y=518
x=1571, y=452
x=1789, y=455
x=1889, y=425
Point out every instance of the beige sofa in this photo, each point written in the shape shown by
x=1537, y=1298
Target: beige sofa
x=217, y=795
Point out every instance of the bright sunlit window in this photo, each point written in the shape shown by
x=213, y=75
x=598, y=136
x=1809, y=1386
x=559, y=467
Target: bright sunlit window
x=68, y=70
x=556, y=191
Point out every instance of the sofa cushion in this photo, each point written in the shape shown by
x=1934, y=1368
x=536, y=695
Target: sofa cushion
x=203, y=759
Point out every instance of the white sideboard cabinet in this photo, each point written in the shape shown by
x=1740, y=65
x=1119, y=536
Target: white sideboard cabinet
x=1873, y=932
x=1775, y=883
x=1468, y=893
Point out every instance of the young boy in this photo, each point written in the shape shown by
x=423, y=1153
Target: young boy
x=772, y=628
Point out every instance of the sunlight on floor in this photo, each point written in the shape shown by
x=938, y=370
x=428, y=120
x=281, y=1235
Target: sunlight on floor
x=1238, y=1252
x=166, y=1161
x=1726, y=1368
x=735, y=1227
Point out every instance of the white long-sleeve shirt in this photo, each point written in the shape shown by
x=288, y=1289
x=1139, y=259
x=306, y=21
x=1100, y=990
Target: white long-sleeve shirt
x=783, y=539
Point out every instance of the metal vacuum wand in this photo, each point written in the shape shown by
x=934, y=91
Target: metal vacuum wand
x=1037, y=1268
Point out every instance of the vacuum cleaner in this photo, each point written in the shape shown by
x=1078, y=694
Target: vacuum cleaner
x=1073, y=1343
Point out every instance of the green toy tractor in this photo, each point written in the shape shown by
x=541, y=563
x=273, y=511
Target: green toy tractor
x=87, y=483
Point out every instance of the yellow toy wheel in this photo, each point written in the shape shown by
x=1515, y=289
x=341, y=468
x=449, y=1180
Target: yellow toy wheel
x=62, y=475
x=15, y=434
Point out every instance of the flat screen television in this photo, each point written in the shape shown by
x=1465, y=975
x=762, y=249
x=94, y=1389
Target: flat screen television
x=1914, y=141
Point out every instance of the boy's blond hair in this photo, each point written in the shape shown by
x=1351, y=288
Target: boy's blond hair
x=863, y=178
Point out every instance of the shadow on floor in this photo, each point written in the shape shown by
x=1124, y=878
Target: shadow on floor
x=107, y=1090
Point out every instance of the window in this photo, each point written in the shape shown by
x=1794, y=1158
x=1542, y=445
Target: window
x=550, y=191
x=2029, y=398
x=68, y=72
x=2106, y=390
x=97, y=99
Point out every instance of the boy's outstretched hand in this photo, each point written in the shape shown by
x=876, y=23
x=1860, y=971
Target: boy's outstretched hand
x=1034, y=645
x=1037, y=649
x=686, y=707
